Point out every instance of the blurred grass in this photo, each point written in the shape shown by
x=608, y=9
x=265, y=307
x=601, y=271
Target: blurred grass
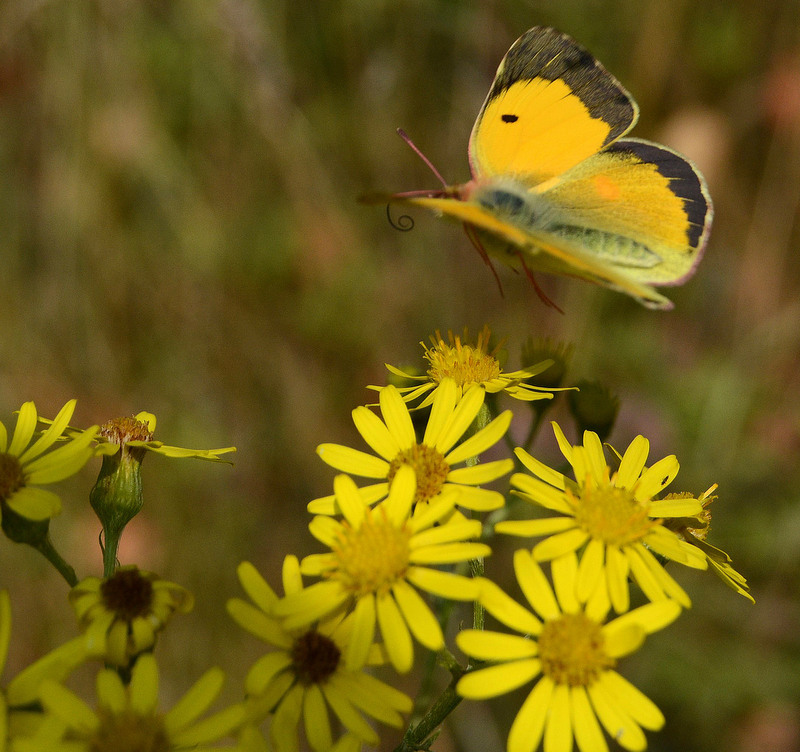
x=179, y=233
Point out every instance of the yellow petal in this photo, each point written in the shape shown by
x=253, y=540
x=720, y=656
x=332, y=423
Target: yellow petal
x=396, y=416
x=23, y=433
x=395, y=634
x=144, y=686
x=641, y=708
x=558, y=729
x=418, y=615
x=588, y=734
x=539, y=469
x=363, y=633
x=497, y=680
x=526, y=730
x=534, y=585
x=353, y=461
x=315, y=719
x=560, y=544
x=506, y=610
x=460, y=420
x=632, y=463
x=495, y=646
x=374, y=431
x=484, y=439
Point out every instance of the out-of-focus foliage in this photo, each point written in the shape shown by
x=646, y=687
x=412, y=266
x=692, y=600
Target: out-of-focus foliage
x=179, y=232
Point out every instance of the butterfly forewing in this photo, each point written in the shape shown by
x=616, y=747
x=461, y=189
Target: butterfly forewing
x=551, y=106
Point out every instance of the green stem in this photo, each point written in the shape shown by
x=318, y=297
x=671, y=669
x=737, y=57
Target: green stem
x=425, y=694
x=110, y=547
x=45, y=548
x=419, y=736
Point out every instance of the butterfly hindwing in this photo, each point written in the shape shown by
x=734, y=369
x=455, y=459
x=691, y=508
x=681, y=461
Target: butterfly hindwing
x=639, y=206
x=551, y=106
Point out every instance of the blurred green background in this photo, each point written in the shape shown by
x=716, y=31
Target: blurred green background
x=179, y=233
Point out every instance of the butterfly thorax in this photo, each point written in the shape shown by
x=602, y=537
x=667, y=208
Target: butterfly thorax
x=510, y=199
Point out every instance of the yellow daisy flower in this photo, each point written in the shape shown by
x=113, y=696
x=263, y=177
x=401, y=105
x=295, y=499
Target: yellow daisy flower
x=694, y=530
x=571, y=652
x=306, y=676
x=136, y=433
x=467, y=365
x=128, y=718
x=24, y=468
x=378, y=557
x=433, y=459
x=122, y=614
x=617, y=517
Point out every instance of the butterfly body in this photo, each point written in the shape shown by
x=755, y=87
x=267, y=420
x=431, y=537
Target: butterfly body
x=556, y=189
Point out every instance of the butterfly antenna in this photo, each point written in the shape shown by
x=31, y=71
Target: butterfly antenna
x=475, y=240
x=541, y=293
x=416, y=149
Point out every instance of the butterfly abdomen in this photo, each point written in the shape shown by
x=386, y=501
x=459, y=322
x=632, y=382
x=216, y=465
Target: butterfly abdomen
x=608, y=246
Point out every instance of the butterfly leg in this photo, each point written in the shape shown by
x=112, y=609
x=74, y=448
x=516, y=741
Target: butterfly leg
x=541, y=293
x=473, y=238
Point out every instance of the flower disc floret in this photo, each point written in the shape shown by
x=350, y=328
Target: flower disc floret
x=463, y=363
x=123, y=430
x=694, y=530
x=373, y=556
x=611, y=514
x=430, y=466
x=571, y=649
x=315, y=658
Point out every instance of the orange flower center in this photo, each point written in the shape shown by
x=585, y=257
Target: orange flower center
x=430, y=467
x=463, y=363
x=122, y=430
x=610, y=514
x=571, y=649
x=372, y=557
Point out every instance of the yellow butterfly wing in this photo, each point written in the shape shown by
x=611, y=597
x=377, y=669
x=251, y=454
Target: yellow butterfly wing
x=551, y=106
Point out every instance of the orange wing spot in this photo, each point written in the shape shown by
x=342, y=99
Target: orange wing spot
x=606, y=188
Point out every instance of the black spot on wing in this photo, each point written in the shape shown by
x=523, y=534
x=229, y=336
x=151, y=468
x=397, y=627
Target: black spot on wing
x=684, y=181
x=509, y=118
x=546, y=53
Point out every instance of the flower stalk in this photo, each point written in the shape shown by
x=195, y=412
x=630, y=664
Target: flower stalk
x=117, y=498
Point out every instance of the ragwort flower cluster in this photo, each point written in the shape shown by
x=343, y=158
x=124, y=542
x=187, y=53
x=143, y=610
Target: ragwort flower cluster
x=391, y=546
